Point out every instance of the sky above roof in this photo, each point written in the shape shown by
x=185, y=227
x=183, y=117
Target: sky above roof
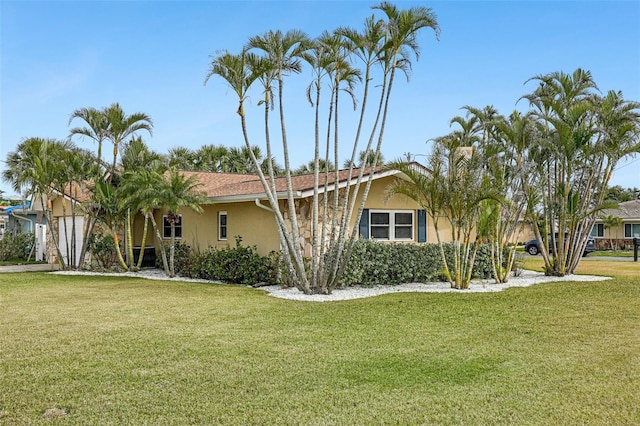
x=153, y=56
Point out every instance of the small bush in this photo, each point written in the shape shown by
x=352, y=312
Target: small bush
x=103, y=248
x=16, y=246
x=183, y=258
x=239, y=264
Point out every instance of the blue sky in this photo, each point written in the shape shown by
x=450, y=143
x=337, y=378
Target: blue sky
x=152, y=57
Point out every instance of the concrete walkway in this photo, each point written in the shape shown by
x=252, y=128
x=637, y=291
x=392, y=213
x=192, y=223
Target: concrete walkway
x=35, y=267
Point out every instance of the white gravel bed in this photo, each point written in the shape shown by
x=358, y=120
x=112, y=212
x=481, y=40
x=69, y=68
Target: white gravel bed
x=527, y=278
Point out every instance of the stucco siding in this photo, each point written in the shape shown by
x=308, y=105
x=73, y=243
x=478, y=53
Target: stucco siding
x=255, y=225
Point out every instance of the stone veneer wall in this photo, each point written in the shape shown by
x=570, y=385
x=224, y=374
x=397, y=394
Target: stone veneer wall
x=303, y=215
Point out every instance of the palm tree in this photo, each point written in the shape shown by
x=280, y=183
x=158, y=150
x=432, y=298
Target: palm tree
x=210, y=158
x=108, y=199
x=36, y=168
x=563, y=105
x=239, y=160
x=236, y=70
x=182, y=158
x=582, y=138
x=176, y=193
x=283, y=52
x=452, y=190
x=141, y=173
x=97, y=126
x=308, y=168
x=121, y=126
x=400, y=38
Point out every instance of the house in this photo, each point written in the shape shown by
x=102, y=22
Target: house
x=237, y=206
x=621, y=236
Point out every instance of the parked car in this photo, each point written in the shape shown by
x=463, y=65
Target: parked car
x=533, y=248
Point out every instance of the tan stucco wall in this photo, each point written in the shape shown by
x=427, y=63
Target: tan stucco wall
x=57, y=206
x=256, y=226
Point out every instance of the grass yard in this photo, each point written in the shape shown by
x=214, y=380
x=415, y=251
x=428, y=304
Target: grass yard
x=132, y=351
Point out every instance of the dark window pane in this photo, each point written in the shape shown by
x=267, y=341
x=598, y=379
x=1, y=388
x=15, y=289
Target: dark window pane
x=404, y=232
x=404, y=218
x=380, y=232
x=379, y=218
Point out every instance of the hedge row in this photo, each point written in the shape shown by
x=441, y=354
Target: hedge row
x=374, y=263
x=371, y=263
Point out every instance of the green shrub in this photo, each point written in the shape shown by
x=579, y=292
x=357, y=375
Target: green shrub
x=376, y=263
x=103, y=248
x=16, y=245
x=183, y=258
x=239, y=264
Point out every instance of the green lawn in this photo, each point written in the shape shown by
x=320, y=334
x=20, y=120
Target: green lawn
x=131, y=351
x=613, y=253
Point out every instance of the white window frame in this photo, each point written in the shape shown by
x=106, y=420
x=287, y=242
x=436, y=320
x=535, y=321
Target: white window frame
x=630, y=226
x=226, y=226
x=167, y=237
x=597, y=227
x=392, y=225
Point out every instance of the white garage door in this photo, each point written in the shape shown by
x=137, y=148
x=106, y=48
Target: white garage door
x=65, y=240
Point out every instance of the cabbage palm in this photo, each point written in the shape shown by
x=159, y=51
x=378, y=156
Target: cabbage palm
x=182, y=158
x=209, y=158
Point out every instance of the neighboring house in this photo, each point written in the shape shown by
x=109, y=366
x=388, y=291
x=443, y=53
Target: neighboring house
x=28, y=218
x=622, y=236
x=4, y=218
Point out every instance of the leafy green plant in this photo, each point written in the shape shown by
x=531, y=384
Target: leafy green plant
x=239, y=264
x=16, y=245
x=103, y=248
x=374, y=263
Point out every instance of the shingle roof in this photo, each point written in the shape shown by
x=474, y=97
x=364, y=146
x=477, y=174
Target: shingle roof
x=221, y=185
x=216, y=185
x=627, y=210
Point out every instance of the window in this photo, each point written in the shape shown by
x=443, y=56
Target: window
x=598, y=230
x=632, y=230
x=222, y=225
x=166, y=227
x=391, y=225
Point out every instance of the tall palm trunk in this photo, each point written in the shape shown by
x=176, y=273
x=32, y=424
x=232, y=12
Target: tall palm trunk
x=144, y=241
x=116, y=240
x=163, y=252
